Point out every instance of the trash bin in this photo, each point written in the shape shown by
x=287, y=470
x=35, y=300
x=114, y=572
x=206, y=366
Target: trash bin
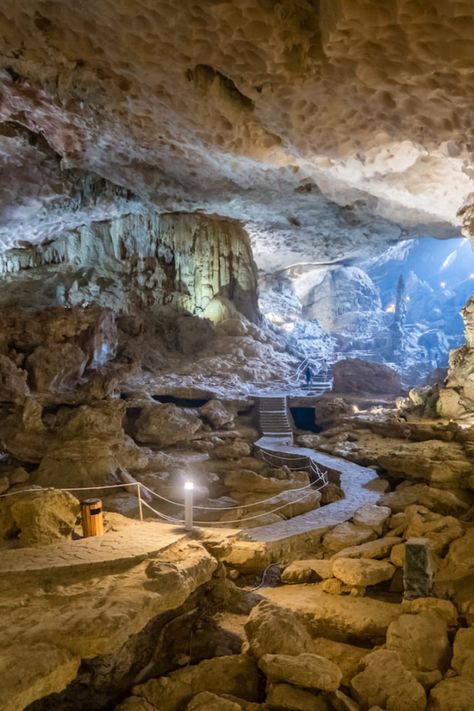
x=92, y=517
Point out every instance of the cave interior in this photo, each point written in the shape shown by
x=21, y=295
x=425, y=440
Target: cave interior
x=237, y=327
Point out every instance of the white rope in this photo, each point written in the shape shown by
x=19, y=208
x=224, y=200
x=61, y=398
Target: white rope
x=252, y=518
x=284, y=458
x=169, y=519
x=227, y=508
x=76, y=488
x=272, y=565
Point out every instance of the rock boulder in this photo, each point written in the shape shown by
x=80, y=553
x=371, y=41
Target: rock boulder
x=165, y=425
x=357, y=376
x=307, y=670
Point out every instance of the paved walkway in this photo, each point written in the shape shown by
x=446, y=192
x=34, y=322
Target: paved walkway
x=353, y=478
x=133, y=543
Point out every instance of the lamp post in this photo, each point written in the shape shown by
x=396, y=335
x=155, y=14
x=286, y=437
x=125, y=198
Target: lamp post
x=188, y=505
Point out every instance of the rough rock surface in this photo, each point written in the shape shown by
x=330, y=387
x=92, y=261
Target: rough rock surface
x=346, y=534
x=165, y=425
x=456, y=399
x=235, y=675
x=296, y=113
x=346, y=656
x=13, y=386
x=217, y=414
x=372, y=516
x=421, y=641
x=362, y=571
x=307, y=670
x=360, y=376
x=385, y=682
x=463, y=653
x=455, y=577
x=205, y=701
x=455, y=694
x=292, y=698
x=307, y=571
x=341, y=618
x=379, y=548
x=440, y=501
x=271, y=629
x=38, y=518
x=156, y=574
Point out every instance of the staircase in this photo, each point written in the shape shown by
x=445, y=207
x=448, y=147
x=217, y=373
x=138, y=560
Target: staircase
x=322, y=381
x=273, y=417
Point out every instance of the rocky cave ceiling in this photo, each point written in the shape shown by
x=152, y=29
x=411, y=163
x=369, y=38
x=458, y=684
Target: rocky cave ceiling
x=329, y=128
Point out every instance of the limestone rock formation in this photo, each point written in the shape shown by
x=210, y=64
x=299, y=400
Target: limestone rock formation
x=307, y=670
x=359, y=376
x=361, y=571
x=56, y=367
x=235, y=675
x=38, y=518
x=421, y=641
x=346, y=534
x=349, y=619
x=189, y=262
x=379, y=548
x=13, y=385
x=165, y=425
x=385, y=682
x=88, y=445
x=287, y=696
x=372, y=516
x=156, y=575
x=456, y=399
x=307, y=571
x=217, y=414
x=271, y=629
x=454, y=694
x=282, y=108
x=463, y=653
x=212, y=702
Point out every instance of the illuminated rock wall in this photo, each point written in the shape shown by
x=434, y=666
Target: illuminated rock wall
x=456, y=400
x=138, y=261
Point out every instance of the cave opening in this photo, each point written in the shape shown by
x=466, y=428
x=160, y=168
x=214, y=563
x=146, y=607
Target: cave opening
x=181, y=401
x=304, y=419
x=401, y=307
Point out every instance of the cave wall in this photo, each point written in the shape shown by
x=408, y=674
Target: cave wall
x=456, y=399
x=140, y=261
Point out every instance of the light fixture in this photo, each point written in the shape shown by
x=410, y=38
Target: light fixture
x=188, y=504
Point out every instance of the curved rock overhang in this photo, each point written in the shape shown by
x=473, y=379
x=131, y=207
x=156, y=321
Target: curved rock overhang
x=328, y=128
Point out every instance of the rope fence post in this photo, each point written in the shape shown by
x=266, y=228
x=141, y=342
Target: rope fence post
x=139, y=496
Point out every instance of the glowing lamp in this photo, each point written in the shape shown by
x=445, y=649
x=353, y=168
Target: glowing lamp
x=188, y=505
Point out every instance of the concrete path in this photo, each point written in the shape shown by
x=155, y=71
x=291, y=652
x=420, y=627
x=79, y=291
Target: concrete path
x=353, y=480
x=131, y=544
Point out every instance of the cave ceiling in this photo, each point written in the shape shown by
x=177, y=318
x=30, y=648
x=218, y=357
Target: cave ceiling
x=328, y=128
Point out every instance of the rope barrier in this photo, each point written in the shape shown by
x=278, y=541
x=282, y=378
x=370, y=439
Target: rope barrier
x=252, y=518
x=287, y=458
x=227, y=508
x=76, y=488
x=169, y=519
x=313, y=467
